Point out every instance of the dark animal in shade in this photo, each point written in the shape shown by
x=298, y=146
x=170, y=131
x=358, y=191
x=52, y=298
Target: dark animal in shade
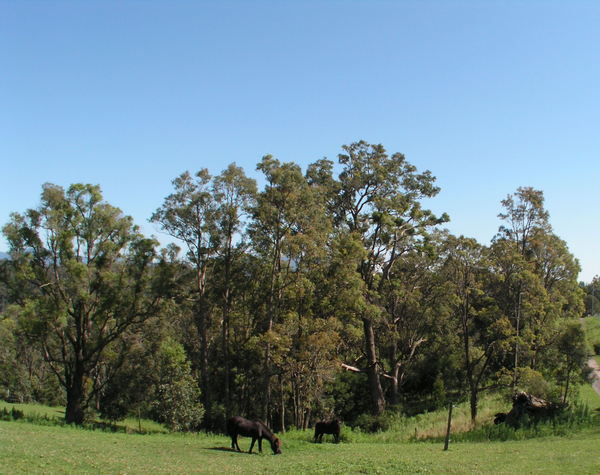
x=257, y=430
x=331, y=427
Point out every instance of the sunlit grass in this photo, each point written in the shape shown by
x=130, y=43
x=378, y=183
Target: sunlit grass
x=422, y=426
x=588, y=396
x=32, y=448
x=29, y=448
x=55, y=415
x=36, y=410
x=592, y=330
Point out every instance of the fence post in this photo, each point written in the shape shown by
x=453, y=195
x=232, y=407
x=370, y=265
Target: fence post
x=447, y=441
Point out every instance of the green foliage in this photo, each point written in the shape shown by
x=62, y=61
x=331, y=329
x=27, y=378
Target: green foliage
x=373, y=423
x=275, y=291
x=348, y=397
x=86, y=271
x=533, y=382
x=592, y=296
x=176, y=401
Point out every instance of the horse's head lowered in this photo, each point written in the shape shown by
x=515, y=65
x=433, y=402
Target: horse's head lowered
x=276, y=446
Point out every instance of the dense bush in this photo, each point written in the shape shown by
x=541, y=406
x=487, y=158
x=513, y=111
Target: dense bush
x=176, y=400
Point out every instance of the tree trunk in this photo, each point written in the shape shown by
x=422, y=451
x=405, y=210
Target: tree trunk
x=226, y=315
x=74, y=412
x=273, y=300
x=396, y=384
x=306, y=421
x=202, y=326
x=282, y=405
x=226, y=388
x=395, y=371
x=467, y=355
x=473, y=402
x=377, y=397
x=564, y=399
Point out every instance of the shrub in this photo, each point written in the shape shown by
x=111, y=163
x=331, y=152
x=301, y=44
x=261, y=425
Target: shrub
x=16, y=414
x=177, y=396
x=371, y=423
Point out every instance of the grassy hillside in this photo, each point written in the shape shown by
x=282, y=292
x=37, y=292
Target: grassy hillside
x=28, y=448
x=55, y=416
x=592, y=331
x=47, y=448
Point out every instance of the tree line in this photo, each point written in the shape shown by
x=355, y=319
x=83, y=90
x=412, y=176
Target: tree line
x=332, y=290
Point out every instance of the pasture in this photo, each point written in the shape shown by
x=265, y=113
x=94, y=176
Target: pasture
x=44, y=447
x=29, y=448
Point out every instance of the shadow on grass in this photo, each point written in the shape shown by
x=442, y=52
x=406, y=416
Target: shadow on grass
x=228, y=449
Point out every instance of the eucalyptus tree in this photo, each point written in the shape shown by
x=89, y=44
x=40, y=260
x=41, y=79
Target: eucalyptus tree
x=592, y=296
x=524, y=215
x=559, y=294
x=189, y=214
x=484, y=333
x=415, y=297
x=539, y=286
x=288, y=231
x=379, y=203
x=234, y=194
x=90, y=276
x=573, y=351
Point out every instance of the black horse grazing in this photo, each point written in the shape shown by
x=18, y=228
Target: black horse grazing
x=332, y=427
x=257, y=430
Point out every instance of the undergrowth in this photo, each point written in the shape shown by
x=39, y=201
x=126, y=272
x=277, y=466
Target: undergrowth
x=422, y=427
x=575, y=418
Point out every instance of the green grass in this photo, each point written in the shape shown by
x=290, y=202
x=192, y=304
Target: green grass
x=422, y=426
x=36, y=410
x=47, y=415
x=29, y=448
x=592, y=330
x=589, y=397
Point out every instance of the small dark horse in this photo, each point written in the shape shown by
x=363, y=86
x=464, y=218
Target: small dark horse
x=332, y=427
x=257, y=430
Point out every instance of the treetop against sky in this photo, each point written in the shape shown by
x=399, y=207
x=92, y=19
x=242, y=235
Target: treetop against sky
x=489, y=96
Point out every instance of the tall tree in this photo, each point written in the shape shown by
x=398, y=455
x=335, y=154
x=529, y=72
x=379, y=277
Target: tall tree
x=414, y=297
x=234, y=193
x=524, y=215
x=592, y=296
x=190, y=215
x=90, y=273
x=482, y=332
x=379, y=201
x=540, y=277
x=289, y=228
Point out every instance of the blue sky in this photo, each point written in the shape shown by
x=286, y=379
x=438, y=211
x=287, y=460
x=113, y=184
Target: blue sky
x=488, y=95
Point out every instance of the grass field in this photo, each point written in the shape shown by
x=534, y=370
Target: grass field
x=588, y=396
x=592, y=330
x=56, y=415
x=44, y=447
x=29, y=448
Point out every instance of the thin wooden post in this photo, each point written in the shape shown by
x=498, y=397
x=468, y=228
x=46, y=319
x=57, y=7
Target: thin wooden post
x=447, y=441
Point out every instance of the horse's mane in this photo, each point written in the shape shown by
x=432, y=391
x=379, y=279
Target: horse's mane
x=266, y=428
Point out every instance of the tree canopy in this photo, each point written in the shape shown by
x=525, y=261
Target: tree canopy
x=330, y=291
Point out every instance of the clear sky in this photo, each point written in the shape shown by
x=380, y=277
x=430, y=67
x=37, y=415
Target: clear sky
x=488, y=95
